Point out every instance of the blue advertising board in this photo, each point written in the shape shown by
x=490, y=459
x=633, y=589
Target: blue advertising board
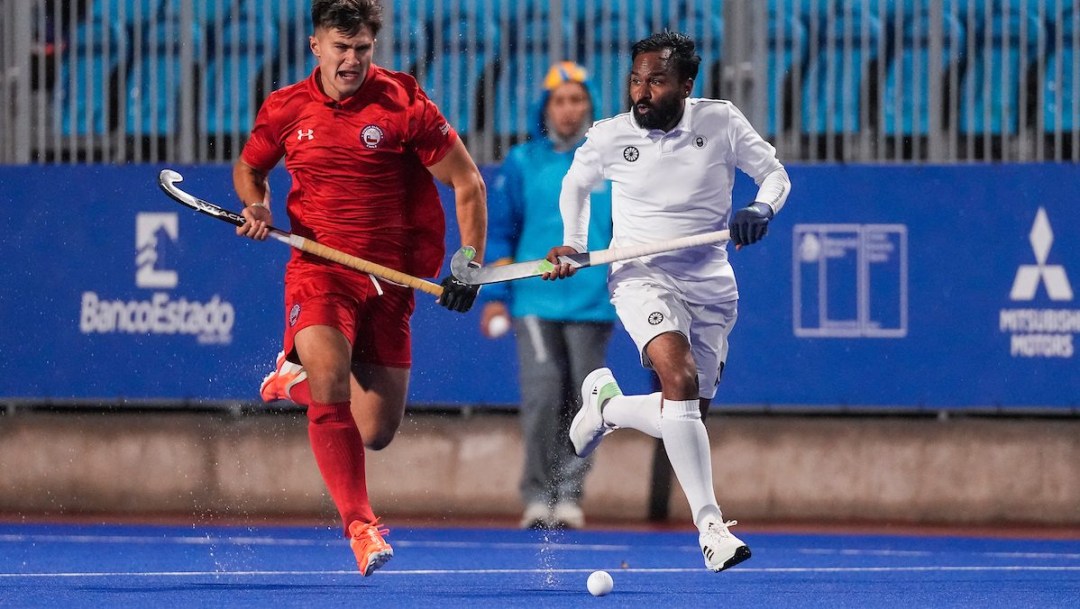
x=118, y=294
x=902, y=287
x=913, y=287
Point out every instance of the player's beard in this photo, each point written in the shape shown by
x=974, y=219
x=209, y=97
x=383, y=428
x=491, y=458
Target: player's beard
x=661, y=112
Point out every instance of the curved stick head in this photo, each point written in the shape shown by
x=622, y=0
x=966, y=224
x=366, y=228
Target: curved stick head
x=168, y=177
x=459, y=265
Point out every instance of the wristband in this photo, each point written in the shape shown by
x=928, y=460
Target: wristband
x=765, y=208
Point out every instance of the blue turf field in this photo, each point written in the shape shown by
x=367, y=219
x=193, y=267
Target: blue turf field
x=272, y=567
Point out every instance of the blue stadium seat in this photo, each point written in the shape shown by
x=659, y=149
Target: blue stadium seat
x=707, y=30
x=1060, y=103
x=990, y=91
x=208, y=13
x=604, y=47
x=229, y=78
x=127, y=13
x=905, y=98
x=517, y=88
x=788, y=48
x=420, y=10
x=292, y=60
x=465, y=51
x=520, y=76
x=672, y=11
x=154, y=81
x=702, y=20
x=294, y=19
x=410, y=51
x=85, y=94
x=848, y=41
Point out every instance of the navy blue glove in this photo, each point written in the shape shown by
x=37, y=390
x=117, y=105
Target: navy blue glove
x=750, y=224
x=458, y=295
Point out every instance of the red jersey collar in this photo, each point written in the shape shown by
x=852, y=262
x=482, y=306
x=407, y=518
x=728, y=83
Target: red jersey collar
x=317, y=93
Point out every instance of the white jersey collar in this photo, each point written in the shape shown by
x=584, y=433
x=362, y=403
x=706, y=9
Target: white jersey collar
x=682, y=126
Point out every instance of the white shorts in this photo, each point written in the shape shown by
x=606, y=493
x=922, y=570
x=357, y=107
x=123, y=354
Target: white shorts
x=649, y=306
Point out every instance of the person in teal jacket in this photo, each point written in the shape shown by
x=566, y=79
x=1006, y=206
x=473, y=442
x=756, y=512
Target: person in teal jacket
x=562, y=329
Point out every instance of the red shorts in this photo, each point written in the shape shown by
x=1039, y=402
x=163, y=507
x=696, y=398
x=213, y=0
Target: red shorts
x=376, y=325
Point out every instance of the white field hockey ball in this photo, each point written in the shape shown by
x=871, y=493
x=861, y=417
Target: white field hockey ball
x=600, y=583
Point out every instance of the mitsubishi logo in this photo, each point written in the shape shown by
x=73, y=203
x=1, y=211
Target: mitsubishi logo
x=302, y=134
x=1028, y=276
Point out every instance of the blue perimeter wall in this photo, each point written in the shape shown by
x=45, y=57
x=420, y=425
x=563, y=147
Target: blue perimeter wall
x=912, y=287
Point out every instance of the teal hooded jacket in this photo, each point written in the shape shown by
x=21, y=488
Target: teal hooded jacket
x=524, y=223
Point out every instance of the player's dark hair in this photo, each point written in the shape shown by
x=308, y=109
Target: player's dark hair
x=348, y=16
x=682, y=51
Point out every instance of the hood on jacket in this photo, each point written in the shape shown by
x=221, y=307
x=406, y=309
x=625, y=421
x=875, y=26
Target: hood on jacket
x=557, y=74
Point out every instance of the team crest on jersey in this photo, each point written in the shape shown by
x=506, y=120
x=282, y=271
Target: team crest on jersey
x=655, y=318
x=294, y=314
x=700, y=141
x=371, y=136
x=630, y=153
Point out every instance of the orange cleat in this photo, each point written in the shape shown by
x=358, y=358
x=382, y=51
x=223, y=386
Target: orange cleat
x=278, y=384
x=368, y=544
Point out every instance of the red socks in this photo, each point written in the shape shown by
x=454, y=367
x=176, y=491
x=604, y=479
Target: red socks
x=339, y=451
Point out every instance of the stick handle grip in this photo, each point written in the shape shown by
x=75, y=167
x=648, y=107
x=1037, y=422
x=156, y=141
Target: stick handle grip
x=364, y=266
x=168, y=178
x=634, y=251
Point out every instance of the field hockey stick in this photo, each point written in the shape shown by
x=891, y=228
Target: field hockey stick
x=168, y=179
x=459, y=264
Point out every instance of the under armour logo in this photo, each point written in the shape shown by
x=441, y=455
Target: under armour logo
x=301, y=134
x=1028, y=276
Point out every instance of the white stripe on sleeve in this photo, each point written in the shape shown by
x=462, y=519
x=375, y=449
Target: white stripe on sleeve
x=774, y=188
x=584, y=174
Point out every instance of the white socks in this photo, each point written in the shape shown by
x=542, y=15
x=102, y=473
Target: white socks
x=687, y=446
x=640, y=412
x=685, y=440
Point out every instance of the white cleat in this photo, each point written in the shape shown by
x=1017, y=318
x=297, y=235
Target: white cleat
x=720, y=548
x=536, y=516
x=588, y=427
x=567, y=515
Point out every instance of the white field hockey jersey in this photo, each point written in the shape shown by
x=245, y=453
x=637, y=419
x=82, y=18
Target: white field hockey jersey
x=669, y=185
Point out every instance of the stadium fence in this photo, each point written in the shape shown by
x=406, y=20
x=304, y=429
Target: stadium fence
x=895, y=81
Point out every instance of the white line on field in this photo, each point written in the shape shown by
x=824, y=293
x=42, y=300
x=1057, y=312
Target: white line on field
x=208, y=540
x=833, y=552
x=744, y=570
x=280, y=541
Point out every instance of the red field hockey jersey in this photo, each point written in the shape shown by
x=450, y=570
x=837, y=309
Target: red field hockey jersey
x=359, y=182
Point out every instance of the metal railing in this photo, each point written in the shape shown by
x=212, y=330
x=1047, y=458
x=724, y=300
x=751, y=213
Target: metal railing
x=825, y=80
x=912, y=80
